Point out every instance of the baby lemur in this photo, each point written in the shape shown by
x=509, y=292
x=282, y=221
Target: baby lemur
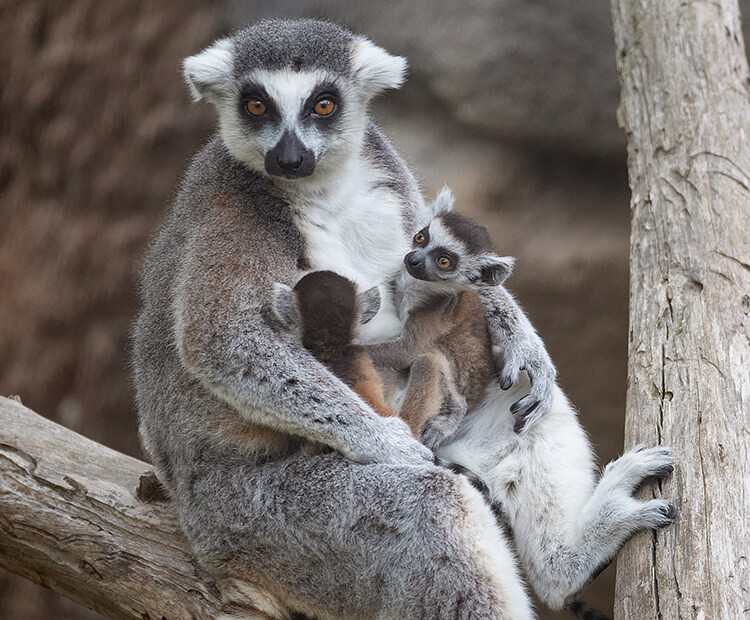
x=444, y=345
x=444, y=340
x=325, y=309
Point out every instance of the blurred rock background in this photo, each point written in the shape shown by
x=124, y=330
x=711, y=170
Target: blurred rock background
x=510, y=102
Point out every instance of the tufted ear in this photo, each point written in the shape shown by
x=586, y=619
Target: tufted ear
x=491, y=269
x=284, y=306
x=208, y=73
x=375, y=69
x=368, y=304
x=444, y=201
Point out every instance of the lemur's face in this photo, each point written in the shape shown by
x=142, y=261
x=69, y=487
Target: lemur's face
x=453, y=253
x=435, y=256
x=292, y=96
x=286, y=121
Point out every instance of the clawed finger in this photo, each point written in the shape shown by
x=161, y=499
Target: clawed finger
x=508, y=377
x=522, y=410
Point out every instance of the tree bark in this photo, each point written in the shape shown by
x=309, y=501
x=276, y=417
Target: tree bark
x=686, y=110
x=70, y=521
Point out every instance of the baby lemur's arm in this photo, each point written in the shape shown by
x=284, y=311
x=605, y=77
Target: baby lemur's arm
x=419, y=333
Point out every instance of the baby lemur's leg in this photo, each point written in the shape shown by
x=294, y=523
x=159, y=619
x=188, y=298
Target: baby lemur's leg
x=431, y=404
x=369, y=386
x=331, y=538
x=424, y=396
x=432, y=408
x=453, y=409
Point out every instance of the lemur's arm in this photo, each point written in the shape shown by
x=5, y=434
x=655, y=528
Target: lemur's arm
x=225, y=341
x=397, y=354
x=517, y=347
x=420, y=331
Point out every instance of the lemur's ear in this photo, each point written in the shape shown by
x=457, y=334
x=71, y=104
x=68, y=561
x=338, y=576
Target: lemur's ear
x=375, y=69
x=284, y=306
x=491, y=269
x=208, y=73
x=444, y=201
x=368, y=304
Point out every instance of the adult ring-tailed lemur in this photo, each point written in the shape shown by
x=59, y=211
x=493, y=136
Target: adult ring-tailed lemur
x=298, y=178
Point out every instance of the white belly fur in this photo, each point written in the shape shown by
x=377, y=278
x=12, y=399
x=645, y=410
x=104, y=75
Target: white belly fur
x=357, y=231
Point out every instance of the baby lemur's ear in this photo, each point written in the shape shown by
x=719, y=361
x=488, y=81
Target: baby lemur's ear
x=491, y=269
x=284, y=306
x=368, y=304
x=444, y=201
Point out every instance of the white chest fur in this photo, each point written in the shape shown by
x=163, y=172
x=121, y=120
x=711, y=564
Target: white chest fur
x=355, y=228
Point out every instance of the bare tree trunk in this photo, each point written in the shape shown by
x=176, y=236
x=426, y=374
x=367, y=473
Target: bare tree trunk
x=70, y=521
x=686, y=111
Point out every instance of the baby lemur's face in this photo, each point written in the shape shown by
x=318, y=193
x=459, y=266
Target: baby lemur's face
x=455, y=253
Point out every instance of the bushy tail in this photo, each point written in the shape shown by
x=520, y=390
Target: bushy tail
x=583, y=612
x=475, y=480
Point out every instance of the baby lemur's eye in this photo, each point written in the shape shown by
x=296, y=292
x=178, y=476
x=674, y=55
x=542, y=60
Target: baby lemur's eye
x=444, y=262
x=256, y=107
x=419, y=238
x=324, y=107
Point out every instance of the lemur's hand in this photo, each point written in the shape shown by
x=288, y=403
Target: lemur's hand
x=516, y=347
x=538, y=365
x=397, y=445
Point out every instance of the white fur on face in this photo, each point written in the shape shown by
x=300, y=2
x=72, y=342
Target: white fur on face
x=441, y=237
x=288, y=91
x=209, y=76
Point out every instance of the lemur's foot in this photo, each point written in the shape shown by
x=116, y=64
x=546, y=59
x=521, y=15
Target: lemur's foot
x=436, y=431
x=639, y=464
x=657, y=513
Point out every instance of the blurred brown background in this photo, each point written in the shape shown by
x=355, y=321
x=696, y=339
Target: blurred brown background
x=510, y=102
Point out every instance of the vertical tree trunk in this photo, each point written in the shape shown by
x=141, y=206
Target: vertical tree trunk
x=686, y=111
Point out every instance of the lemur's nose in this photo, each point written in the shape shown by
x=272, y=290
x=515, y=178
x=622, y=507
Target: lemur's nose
x=412, y=259
x=289, y=164
x=290, y=158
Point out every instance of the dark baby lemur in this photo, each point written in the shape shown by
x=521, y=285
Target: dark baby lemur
x=325, y=310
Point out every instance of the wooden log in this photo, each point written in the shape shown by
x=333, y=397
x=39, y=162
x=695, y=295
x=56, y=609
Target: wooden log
x=70, y=521
x=686, y=111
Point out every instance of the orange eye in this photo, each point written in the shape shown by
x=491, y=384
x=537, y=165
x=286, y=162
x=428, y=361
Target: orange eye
x=324, y=107
x=256, y=107
x=444, y=262
x=419, y=238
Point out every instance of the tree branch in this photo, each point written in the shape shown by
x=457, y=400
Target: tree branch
x=686, y=111
x=70, y=521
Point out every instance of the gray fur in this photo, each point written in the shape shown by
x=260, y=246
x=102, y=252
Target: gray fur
x=229, y=406
x=301, y=44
